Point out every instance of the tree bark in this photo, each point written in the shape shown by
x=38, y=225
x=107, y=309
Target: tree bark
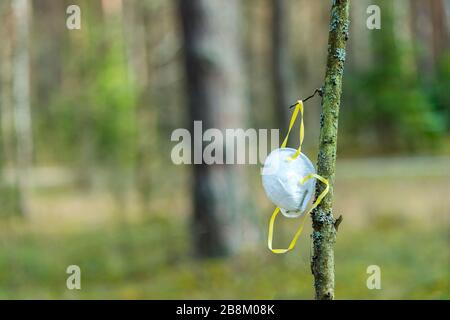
x=21, y=95
x=324, y=223
x=215, y=92
x=429, y=26
x=280, y=62
x=48, y=17
x=423, y=33
x=6, y=105
x=440, y=29
x=139, y=38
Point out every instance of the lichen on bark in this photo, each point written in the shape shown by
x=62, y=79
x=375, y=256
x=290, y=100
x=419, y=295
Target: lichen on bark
x=324, y=223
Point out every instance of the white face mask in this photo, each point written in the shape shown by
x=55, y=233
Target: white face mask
x=281, y=178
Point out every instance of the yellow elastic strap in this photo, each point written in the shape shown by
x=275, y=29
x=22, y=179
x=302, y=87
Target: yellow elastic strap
x=277, y=210
x=298, y=108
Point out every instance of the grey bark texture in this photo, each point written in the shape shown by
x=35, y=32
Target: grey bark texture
x=324, y=223
x=6, y=103
x=21, y=98
x=215, y=93
x=48, y=55
x=430, y=28
x=280, y=62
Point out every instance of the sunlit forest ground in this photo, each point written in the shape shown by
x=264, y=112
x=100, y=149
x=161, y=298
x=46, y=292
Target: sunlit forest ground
x=398, y=220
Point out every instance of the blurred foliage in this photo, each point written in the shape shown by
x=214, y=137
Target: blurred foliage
x=96, y=102
x=440, y=89
x=391, y=101
x=9, y=199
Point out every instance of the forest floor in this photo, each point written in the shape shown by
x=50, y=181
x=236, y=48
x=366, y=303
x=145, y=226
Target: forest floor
x=398, y=221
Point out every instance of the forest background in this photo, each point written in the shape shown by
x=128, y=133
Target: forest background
x=86, y=177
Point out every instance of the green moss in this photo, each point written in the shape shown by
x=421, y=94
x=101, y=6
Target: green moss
x=324, y=234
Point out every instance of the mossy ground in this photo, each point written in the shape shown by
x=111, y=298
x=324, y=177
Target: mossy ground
x=153, y=261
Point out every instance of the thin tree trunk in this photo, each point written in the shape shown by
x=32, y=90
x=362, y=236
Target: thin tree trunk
x=139, y=37
x=324, y=223
x=21, y=94
x=80, y=42
x=423, y=33
x=48, y=17
x=440, y=29
x=215, y=94
x=6, y=105
x=280, y=61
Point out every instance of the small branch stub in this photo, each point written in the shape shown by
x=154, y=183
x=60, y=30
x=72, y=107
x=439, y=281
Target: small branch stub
x=317, y=91
x=338, y=222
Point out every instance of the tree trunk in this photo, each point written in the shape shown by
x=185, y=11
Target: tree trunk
x=423, y=33
x=440, y=29
x=429, y=26
x=324, y=223
x=48, y=17
x=211, y=34
x=82, y=45
x=140, y=38
x=21, y=94
x=280, y=62
x=6, y=105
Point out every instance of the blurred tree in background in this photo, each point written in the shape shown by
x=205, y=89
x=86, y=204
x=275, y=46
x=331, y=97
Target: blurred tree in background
x=281, y=62
x=215, y=91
